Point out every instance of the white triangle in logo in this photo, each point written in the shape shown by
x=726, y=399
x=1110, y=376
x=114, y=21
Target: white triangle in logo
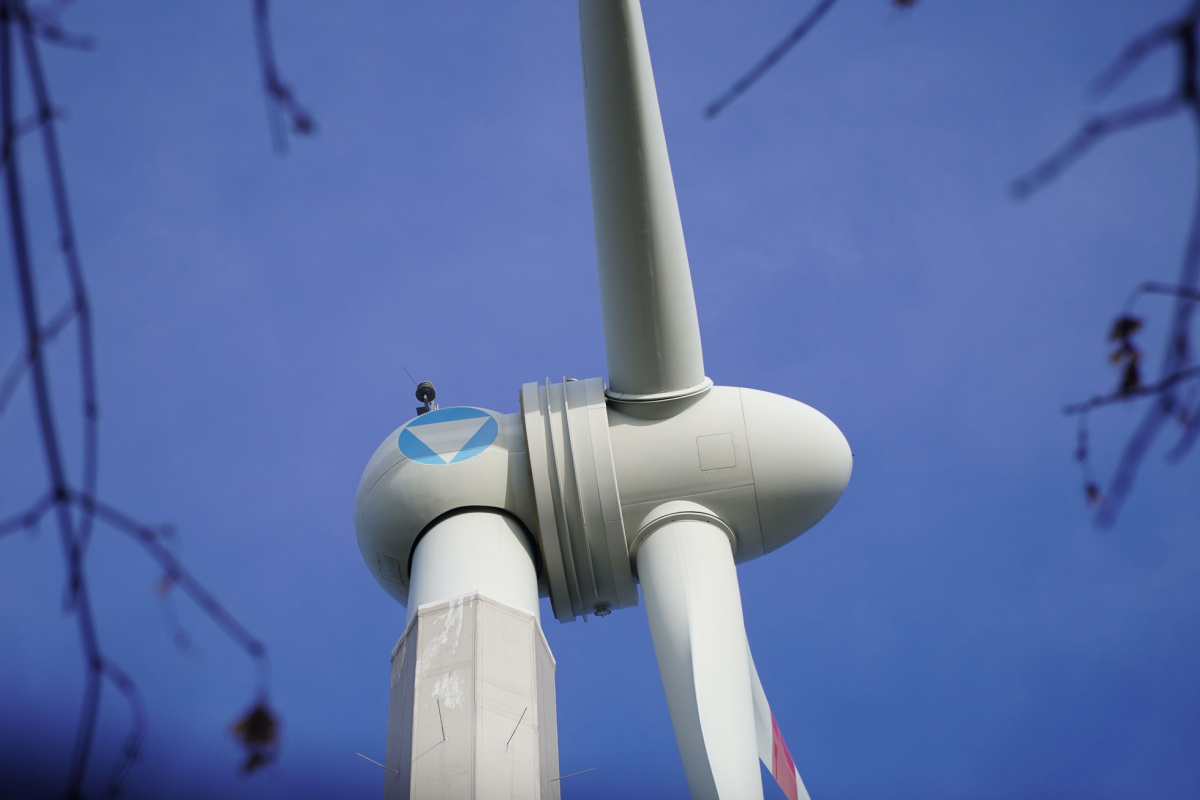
x=447, y=439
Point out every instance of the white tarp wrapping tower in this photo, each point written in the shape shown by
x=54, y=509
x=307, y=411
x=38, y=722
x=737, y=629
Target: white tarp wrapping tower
x=472, y=706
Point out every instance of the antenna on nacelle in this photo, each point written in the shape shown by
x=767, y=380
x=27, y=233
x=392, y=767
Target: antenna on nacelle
x=426, y=394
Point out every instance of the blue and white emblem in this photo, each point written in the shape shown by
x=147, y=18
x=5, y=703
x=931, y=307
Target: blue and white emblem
x=448, y=435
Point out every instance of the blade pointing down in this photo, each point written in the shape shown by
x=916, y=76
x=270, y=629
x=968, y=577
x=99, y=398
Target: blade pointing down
x=689, y=584
x=772, y=750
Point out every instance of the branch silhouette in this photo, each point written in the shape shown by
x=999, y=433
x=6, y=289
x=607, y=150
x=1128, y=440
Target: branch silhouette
x=285, y=115
x=1091, y=132
x=1173, y=395
x=773, y=56
x=75, y=506
x=776, y=54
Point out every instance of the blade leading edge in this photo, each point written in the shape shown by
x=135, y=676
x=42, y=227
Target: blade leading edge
x=689, y=585
x=772, y=750
x=651, y=332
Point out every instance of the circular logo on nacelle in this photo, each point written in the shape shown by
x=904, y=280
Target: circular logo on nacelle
x=448, y=435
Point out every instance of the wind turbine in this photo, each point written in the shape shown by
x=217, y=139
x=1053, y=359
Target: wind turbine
x=660, y=478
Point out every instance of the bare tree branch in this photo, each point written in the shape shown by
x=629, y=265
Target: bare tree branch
x=16, y=370
x=28, y=518
x=1188, y=414
x=74, y=506
x=776, y=54
x=47, y=26
x=1177, y=372
x=132, y=747
x=174, y=570
x=1131, y=459
x=742, y=84
x=284, y=112
x=1092, y=131
x=1132, y=55
x=1166, y=384
x=70, y=253
x=77, y=585
x=1169, y=289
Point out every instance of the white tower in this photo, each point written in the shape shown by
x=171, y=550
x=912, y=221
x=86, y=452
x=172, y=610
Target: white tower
x=660, y=479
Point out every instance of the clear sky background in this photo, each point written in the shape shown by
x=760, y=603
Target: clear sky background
x=956, y=628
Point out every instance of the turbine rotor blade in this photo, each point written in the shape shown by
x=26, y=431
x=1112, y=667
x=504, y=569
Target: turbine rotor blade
x=772, y=750
x=651, y=332
x=690, y=588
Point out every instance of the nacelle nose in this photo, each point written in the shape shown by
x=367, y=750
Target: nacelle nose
x=767, y=466
x=801, y=463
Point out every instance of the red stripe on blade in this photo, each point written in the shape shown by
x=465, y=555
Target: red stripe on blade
x=782, y=766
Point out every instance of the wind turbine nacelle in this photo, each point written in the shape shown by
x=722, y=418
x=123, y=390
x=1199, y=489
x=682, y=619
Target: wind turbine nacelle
x=437, y=464
x=607, y=474
x=591, y=478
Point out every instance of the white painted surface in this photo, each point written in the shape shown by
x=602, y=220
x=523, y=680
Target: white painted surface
x=768, y=466
x=651, y=332
x=581, y=532
x=472, y=709
x=398, y=497
x=474, y=551
x=801, y=460
x=689, y=585
x=770, y=741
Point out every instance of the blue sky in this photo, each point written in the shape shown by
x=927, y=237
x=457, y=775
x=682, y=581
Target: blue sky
x=956, y=628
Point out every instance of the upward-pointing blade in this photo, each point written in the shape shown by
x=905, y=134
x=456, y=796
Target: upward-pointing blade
x=651, y=333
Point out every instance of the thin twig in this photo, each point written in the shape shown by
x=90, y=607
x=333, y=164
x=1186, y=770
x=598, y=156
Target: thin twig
x=149, y=539
x=1131, y=459
x=1177, y=370
x=132, y=747
x=18, y=235
x=29, y=517
x=1169, y=289
x=12, y=379
x=1188, y=413
x=70, y=253
x=74, y=508
x=1092, y=131
x=16, y=370
x=773, y=56
x=47, y=27
x=1151, y=390
x=1132, y=55
x=171, y=620
x=285, y=115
